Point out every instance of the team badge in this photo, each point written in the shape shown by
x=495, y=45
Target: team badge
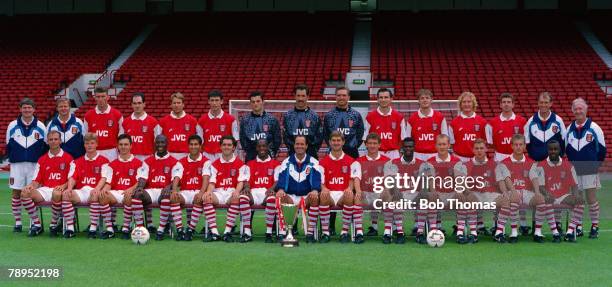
x=525, y=173
x=433, y=126
x=36, y=136
x=109, y=123
x=307, y=171
x=555, y=129
x=344, y=169
x=166, y=169
x=486, y=174
x=222, y=128
x=145, y=128
x=379, y=169
x=96, y=169
x=270, y=171
x=393, y=125
x=516, y=129
x=265, y=128
x=307, y=123
x=199, y=170
x=74, y=130
x=589, y=137
x=477, y=128
x=187, y=127
x=451, y=171
x=131, y=172
x=351, y=122
x=62, y=166
x=562, y=174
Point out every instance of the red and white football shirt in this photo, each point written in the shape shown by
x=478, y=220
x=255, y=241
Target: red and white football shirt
x=262, y=172
x=52, y=170
x=500, y=131
x=391, y=128
x=520, y=171
x=212, y=128
x=178, y=130
x=371, y=168
x=191, y=172
x=464, y=130
x=486, y=170
x=107, y=125
x=123, y=174
x=227, y=174
x=338, y=172
x=425, y=128
x=559, y=178
x=87, y=171
x=415, y=168
x=143, y=131
x=159, y=170
x=449, y=167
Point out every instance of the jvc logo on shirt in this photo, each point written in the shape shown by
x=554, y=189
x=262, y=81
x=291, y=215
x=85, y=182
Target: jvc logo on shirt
x=300, y=132
x=89, y=180
x=159, y=178
x=101, y=133
x=386, y=136
x=518, y=182
x=226, y=182
x=337, y=180
x=55, y=175
x=506, y=140
x=469, y=137
x=261, y=180
x=137, y=139
x=193, y=180
x=258, y=136
x=214, y=138
x=345, y=131
x=426, y=137
x=179, y=138
x=124, y=181
x=555, y=186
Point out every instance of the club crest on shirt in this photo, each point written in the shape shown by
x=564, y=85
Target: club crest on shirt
x=345, y=169
x=233, y=172
x=62, y=166
x=131, y=172
x=265, y=128
x=36, y=136
x=555, y=129
x=199, y=170
x=393, y=125
x=307, y=170
x=451, y=171
x=562, y=174
x=433, y=126
x=74, y=130
x=516, y=129
x=109, y=123
x=166, y=169
x=350, y=123
x=145, y=128
x=307, y=123
x=187, y=127
x=589, y=137
x=270, y=171
x=222, y=128
x=477, y=128
x=96, y=169
x=379, y=169
x=525, y=173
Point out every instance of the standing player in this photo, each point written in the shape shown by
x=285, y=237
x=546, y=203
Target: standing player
x=259, y=125
x=70, y=127
x=501, y=129
x=227, y=177
x=425, y=125
x=389, y=124
x=466, y=127
x=340, y=171
x=372, y=164
x=106, y=122
x=25, y=144
x=178, y=126
x=559, y=184
x=302, y=120
x=50, y=176
x=299, y=178
x=346, y=120
x=142, y=127
x=85, y=183
x=543, y=127
x=586, y=149
x=262, y=171
x=121, y=180
x=214, y=125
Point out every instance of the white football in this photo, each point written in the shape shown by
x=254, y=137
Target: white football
x=140, y=235
x=435, y=238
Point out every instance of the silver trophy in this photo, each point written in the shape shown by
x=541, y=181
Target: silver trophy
x=290, y=212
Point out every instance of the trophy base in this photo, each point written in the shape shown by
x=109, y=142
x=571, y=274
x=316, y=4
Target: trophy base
x=290, y=243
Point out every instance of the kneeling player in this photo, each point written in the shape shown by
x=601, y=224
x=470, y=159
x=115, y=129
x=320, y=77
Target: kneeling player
x=558, y=183
x=340, y=173
x=50, y=176
x=262, y=171
x=85, y=183
x=227, y=177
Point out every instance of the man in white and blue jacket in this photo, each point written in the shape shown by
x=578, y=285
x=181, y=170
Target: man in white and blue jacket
x=25, y=143
x=543, y=127
x=585, y=147
x=70, y=127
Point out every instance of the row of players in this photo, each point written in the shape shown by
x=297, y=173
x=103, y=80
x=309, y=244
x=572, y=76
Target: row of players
x=583, y=139
x=336, y=181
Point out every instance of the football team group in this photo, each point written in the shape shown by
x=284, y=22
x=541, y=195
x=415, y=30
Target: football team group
x=138, y=163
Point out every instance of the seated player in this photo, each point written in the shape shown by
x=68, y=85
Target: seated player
x=299, y=178
x=559, y=185
x=193, y=180
x=227, y=177
x=445, y=165
x=121, y=181
x=372, y=164
x=340, y=173
x=50, y=180
x=155, y=185
x=262, y=171
x=522, y=171
x=85, y=183
x=410, y=165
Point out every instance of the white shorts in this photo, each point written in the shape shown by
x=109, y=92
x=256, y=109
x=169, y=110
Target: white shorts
x=370, y=197
x=118, y=195
x=589, y=181
x=189, y=195
x=424, y=156
x=211, y=156
x=22, y=174
x=83, y=193
x=463, y=158
x=487, y=196
x=154, y=194
x=141, y=157
x=110, y=154
x=560, y=199
x=178, y=155
x=45, y=192
x=336, y=195
x=500, y=156
x=526, y=196
x=391, y=154
x=259, y=195
x=223, y=194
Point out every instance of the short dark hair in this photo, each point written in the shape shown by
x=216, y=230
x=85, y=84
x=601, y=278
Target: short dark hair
x=302, y=87
x=138, y=94
x=408, y=140
x=373, y=136
x=256, y=94
x=506, y=95
x=228, y=137
x=343, y=88
x=196, y=138
x=215, y=94
x=301, y=136
x=27, y=101
x=383, y=90
x=551, y=142
x=123, y=137
x=424, y=92
x=99, y=90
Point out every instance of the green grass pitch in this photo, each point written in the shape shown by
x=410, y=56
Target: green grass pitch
x=118, y=262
